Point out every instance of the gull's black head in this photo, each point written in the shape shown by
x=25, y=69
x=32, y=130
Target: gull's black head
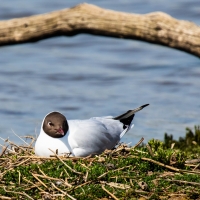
x=55, y=125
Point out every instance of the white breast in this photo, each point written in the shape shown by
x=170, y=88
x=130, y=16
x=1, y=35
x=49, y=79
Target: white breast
x=45, y=142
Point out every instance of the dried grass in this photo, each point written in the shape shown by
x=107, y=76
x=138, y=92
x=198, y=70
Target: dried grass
x=114, y=181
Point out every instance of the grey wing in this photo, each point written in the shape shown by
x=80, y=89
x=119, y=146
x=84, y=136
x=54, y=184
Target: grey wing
x=95, y=135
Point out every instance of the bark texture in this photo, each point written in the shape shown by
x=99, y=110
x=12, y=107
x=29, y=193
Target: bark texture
x=156, y=27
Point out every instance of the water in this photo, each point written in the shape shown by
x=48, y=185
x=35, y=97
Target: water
x=85, y=76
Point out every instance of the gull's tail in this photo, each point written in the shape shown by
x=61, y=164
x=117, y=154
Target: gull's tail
x=128, y=116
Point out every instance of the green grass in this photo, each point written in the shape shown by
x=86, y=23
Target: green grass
x=154, y=172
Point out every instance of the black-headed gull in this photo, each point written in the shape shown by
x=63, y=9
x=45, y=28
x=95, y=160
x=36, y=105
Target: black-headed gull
x=81, y=138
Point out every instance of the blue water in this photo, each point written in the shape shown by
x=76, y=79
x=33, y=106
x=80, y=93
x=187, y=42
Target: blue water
x=85, y=76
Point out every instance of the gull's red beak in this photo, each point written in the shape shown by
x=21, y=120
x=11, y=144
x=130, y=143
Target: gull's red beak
x=60, y=130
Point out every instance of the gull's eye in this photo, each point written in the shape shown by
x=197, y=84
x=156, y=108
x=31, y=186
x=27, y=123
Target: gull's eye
x=50, y=124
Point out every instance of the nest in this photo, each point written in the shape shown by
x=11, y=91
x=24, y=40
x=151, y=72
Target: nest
x=124, y=172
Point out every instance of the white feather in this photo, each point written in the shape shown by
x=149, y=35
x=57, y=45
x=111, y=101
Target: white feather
x=84, y=137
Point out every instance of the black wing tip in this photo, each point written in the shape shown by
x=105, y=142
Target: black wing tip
x=144, y=105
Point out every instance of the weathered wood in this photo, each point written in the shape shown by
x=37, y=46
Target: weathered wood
x=156, y=27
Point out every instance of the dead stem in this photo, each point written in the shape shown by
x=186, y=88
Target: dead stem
x=112, y=195
x=3, y=150
x=12, y=143
x=150, y=150
x=82, y=184
x=86, y=176
x=22, y=193
x=32, y=139
x=19, y=137
x=55, y=179
x=65, y=193
x=114, y=171
x=3, y=197
x=82, y=179
x=34, y=185
x=159, y=163
x=22, y=162
x=8, y=149
x=41, y=171
x=141, y=140
x=35, y=176
x=185, y=182
x=192, y=161
x=65, y=163
x=19, y=176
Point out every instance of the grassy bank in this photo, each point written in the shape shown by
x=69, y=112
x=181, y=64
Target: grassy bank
x=158, y=170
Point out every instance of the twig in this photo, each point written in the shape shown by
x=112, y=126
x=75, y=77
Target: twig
x=167, y=166
x=65, y=193
x=3, y=197
x=55, y=179
x=122, y=147
x=150, y=150
x=116, y=185
x=136, y=145
x=3, y=150
x=82, y=184
x=141, y=191
x=65, y=163
x=20, y=137
x=192, y=161
x=172, y=145
x=35, y=176
x=191, y=165
x=41, y=171
x=34, y=185
x=57, y=195
x=19, y=176
x=112, y=195
x=189, y=172
x=7, y=140
x=185, y=182
x=66, y=172
x=32, y=139
x=114, y=171
x=27, y=195
x=159, y=163
x=22, y=193
x=196, y=167
x=141, y=151
x=86, y=176
x=8, y=149
x=22, y=162
x=49, y=158
x=59, y=189
x=131, y=182
x=83, y=165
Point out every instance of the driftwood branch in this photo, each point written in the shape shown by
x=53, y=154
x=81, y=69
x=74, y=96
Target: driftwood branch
x=156, y=27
